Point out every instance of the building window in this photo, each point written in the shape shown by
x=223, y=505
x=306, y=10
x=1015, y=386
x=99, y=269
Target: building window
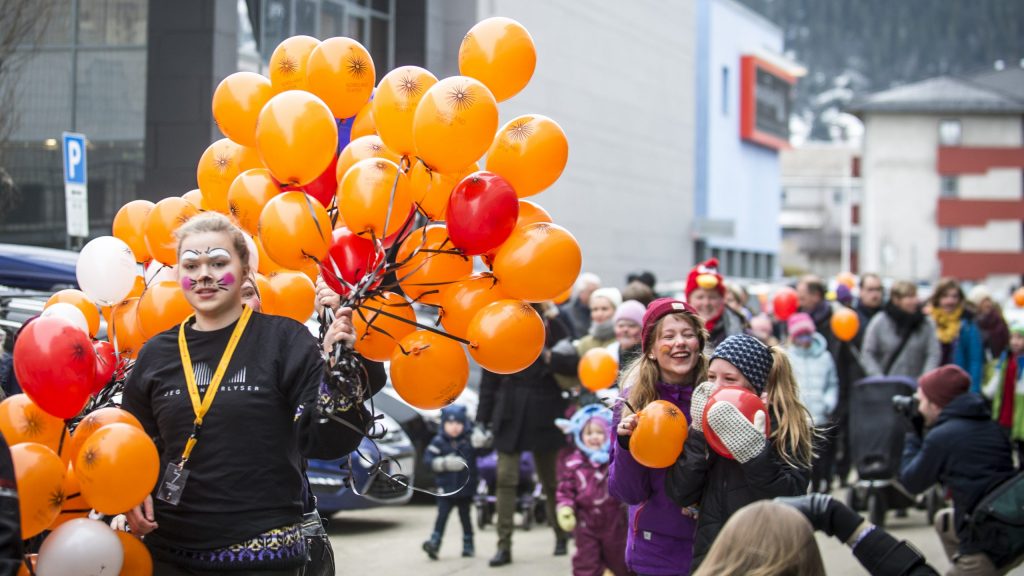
x=949, y=133
x=725, y=90
x=949, y=239
x=949, y=186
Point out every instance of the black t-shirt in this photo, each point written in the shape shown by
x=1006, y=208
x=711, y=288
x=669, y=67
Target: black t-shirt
x=245, y=472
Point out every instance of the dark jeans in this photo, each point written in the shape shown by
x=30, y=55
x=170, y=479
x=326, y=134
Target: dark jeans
x=444, y=508
x=165, y=569
x=546, y=463
x=824, y=459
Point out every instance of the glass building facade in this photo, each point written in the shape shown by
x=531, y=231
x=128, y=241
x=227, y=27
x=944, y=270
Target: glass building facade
x=88, y=74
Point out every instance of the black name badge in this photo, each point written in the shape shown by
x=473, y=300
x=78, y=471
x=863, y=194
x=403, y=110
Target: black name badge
x=173, y=484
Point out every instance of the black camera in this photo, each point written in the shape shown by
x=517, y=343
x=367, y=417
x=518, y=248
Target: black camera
x=905, y=405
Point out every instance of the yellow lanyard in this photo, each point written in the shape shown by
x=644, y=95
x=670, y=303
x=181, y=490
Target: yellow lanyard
x=200, y=408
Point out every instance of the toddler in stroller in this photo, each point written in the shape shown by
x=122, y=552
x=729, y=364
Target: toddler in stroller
x=877, y=430
x=529, y=495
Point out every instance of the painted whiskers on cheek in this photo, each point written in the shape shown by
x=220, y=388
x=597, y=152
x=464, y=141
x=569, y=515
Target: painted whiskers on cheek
x=225, y=281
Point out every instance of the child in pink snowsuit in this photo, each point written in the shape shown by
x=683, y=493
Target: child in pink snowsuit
x=583, y=502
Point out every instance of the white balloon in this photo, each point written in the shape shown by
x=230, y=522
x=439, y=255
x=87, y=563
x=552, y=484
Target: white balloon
x=159, y=272
x=106, y=270
x=254, y=255
x=68, y=312
x=81, y=547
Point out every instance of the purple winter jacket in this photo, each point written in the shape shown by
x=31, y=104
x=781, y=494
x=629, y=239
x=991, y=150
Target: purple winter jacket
x=583, y=486
x=660, y=537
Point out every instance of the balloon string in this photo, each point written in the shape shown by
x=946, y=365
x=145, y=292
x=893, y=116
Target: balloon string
x=28, y=565
x=63, y=434
x=72, y=497
x=422, y=326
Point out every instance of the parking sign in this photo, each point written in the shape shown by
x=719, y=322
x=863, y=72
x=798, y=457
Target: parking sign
x=76, y=193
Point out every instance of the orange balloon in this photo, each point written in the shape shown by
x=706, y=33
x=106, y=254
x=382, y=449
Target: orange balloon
x=530, y=152
x=500, y=53
x=1018, y=297
x=162, y=307
x=845, y=324
x=847, y=279
x=454, y=123
x=96, y=420
x=340, y=71
x=166, y=217
x=137, y=560
x=117, y=468
x=130, y=226
x=597, y=369
x=431, y=190
x=538, y=262
x=394, y=105
x=195, y=198
x=296, y=137
x=248, y=194
x=288, y=63
x=237, y=102
x=217, y=169
x=360, y=149
x=462, y=300
x=377, y=334
x=137, y=289
x=530, y=213
x=263, y=290
x=660, y=432
x=365, y=198
x=563, y=297
x=292, y=294
x=23, y=569
x=364, y=124
x=295, y=227
x=75, y=505
x=126, y=336
x=266, y=263
x=79, y=300
x=432, y=371
x=22, y=421
x=248, y=158
x=506, y=336
x=40, y=477
x=425, y=272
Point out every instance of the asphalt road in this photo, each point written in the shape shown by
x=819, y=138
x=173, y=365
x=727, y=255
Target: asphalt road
x=386, y=541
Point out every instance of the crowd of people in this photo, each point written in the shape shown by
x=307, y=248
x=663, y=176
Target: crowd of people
x=248, y=508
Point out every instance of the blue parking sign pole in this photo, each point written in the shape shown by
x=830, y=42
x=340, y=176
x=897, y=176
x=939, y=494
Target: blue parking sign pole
x=76, y=192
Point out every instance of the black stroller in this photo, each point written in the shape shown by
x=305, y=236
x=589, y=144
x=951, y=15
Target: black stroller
x=877, y=433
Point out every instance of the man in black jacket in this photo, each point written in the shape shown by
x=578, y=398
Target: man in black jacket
x=967, y=452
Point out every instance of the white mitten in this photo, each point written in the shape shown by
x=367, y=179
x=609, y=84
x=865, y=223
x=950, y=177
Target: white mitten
x=743, y=439
x=481, y=438
x=455, y=463
x=698, y=400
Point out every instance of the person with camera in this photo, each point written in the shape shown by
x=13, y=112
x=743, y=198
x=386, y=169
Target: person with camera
x=964, y=450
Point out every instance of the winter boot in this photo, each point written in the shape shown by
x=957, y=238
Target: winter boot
x=561, y=546
x=432, y=546
x=468, y=550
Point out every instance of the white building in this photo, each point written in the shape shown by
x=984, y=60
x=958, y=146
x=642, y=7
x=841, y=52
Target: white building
x=942, y=179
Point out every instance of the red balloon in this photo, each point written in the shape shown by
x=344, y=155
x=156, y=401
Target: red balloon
x=748, y=404
x=55, y=364
x=106, y=364
x=350, y=256
x=785, y=303
x=324, y=187
x=482, y=212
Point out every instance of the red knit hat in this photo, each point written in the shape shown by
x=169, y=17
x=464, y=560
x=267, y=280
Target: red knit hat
x=705, y=275
x=944, y=384
x=659, y=309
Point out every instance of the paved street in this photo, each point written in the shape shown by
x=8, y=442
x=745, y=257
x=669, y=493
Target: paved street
x=387, y=541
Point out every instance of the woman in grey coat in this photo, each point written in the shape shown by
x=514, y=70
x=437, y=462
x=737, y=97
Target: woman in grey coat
x=885, y=353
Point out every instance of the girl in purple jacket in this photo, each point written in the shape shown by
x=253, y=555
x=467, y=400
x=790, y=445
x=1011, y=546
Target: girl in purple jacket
x=584, y=504
x=660, y=540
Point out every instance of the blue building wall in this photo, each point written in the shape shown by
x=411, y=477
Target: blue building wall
x=734, y=180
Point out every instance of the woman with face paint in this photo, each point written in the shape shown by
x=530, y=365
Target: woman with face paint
x=671, y=363
x=761, y=467
x=233, y=400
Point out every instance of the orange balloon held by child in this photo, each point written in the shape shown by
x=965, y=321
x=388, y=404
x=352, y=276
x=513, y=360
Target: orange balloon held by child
x=657, y=441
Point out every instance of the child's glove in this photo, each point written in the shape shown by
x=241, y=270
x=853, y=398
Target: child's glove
x=698, y=401
x=743, y=439
x=449, y=463
x=481, y=438
x=566, y=518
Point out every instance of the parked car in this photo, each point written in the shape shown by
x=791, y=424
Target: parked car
x=35, y=268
